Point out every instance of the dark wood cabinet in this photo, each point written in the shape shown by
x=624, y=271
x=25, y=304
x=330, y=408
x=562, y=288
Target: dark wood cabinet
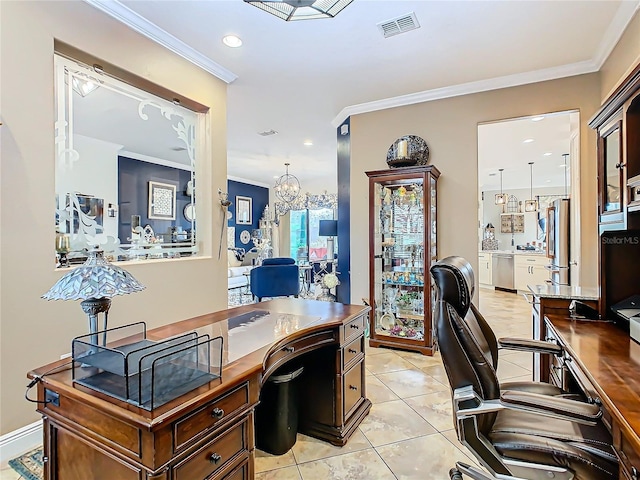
x=402, y=247
x=617, y=124
x=618, y=127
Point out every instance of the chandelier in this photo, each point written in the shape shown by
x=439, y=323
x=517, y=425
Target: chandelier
x=287, y=187
x=301, y=9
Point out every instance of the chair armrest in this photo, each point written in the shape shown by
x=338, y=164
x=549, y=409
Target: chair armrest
x=557, y=406
x=529, y=345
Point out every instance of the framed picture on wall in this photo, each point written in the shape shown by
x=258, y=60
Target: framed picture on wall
x=162, y=201
x=243, y=211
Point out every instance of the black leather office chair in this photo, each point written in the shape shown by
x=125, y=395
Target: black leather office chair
x=515, y=434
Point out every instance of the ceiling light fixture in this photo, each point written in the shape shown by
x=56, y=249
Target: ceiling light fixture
x=308, y=143
x=548, y=154
x=287, y=187
x=531, y=205
x=289, y=10
x=501, y=198
x=537, y=119
x=232, y=41
x=528, y=140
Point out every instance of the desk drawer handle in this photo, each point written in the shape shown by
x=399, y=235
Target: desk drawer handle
x=215, y=458
x=355, y=326
x=289, y=349
x=351, y=350
x=217, y=413
x=353, y=387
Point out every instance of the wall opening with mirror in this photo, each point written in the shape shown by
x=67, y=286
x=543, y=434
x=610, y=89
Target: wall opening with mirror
x=524, y=165
x=125, y=175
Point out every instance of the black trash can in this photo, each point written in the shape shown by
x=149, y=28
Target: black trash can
x=277, y=413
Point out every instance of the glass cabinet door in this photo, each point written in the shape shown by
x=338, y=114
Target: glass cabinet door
x=399, y=276
x=612, y=187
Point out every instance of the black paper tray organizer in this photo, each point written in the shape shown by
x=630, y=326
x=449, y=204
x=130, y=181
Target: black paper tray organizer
x=143, y=372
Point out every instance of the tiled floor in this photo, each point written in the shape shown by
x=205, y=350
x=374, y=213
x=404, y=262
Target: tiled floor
x=409, y=432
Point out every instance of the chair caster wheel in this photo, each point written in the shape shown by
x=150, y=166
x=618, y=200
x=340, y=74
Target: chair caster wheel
x=454, y=474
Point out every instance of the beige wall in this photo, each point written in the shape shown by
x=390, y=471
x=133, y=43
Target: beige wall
x=622, y=60
x=450, y=128
x=33, y=331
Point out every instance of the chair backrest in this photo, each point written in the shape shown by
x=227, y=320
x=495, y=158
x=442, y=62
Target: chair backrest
x=456, y=281
x=276, y=277
x=278, y=261
x=465, y=351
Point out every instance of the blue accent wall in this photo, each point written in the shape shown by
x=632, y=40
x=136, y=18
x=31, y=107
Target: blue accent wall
x=260, y=199
x=343, y=290
x=133, y=195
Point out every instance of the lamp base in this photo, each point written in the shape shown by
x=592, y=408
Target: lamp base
x=326, y=295
x=330, y=249
x=92, y=307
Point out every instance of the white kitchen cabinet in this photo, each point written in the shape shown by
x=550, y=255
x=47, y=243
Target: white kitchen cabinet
x=530, y=270
x=484, y=268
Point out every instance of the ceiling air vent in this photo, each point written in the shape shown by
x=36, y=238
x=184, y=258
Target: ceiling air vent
x=398, y=25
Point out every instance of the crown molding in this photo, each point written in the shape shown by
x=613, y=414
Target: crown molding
x=150, y=30
x=468, y=88
x=616, y=28
x=247, y=181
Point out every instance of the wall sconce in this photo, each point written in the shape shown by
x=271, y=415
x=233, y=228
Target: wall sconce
x=501, y=198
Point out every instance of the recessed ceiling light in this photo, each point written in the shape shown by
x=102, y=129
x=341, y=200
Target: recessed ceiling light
x=537, y=119
x=308, y=143
x=548, y=181
x=528, y=140
x=548, y=154
x=232, y=41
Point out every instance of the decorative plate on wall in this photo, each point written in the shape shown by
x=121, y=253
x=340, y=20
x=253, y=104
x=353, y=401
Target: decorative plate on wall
x=190, y=212
x=245, y=236
x=408, y=151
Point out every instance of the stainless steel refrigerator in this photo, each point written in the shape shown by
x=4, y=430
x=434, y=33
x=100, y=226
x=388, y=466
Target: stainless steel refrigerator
x=558, y=241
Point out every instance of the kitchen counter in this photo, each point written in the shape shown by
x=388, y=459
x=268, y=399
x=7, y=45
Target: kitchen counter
x=514, y=252
x=565, y=292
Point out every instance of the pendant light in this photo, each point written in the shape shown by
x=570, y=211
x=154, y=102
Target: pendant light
x=532, y=204
x=501, y=198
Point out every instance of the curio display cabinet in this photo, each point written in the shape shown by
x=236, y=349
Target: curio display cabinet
x=402, y=248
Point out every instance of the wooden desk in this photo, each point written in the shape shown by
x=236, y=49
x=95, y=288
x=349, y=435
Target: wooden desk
x=603, y=362
x=209, y=432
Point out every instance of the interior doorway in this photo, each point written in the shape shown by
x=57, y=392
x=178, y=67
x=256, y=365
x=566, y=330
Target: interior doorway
x=524, y=165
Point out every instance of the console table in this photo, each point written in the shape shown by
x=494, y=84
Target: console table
x=208, y=433
x=601, y=361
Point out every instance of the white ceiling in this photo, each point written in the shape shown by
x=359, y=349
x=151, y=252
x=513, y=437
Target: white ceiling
x=303, y=78
x=502, y=145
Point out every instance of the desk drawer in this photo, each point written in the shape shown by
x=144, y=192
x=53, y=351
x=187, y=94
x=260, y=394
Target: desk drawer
x=295, y=348
x=210, y=416
x=353, y=329
x=629, y=457
x=352, y=350
x=214, y=456
x=352, y=389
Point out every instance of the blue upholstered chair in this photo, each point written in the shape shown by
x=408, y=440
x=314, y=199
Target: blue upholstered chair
x=276, y=277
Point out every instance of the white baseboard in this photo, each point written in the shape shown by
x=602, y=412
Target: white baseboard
x=14, y=444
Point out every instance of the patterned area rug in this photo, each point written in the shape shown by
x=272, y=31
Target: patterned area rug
x=29, y=465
